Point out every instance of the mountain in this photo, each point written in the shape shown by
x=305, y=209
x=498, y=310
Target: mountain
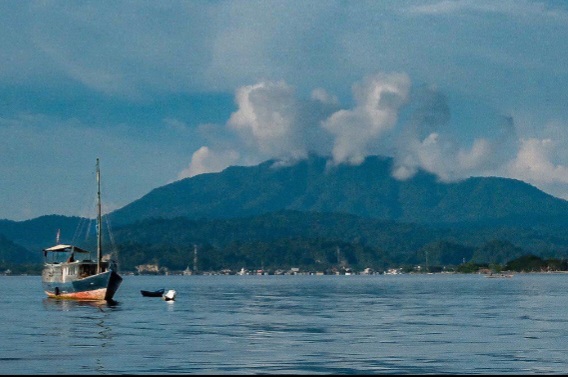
x=13, y=253
x=283, y=239
x=274, y=214
x=41, y=232
x=366, y=190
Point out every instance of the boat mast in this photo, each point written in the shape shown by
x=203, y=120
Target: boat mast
x=99, y=220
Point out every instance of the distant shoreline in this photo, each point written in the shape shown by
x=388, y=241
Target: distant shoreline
x=353, y=274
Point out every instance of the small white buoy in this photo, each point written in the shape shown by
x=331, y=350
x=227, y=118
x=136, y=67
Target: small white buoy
x=170, y=295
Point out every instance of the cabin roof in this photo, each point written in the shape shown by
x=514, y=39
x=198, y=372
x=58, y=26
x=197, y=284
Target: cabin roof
x=62, y=247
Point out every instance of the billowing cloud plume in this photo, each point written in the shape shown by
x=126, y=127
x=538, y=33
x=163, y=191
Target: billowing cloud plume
x=204, y=160
x=428, y=142
x=273, y=122
x=535, y=162
x=267, y=119
x=378, y=99
x=270, y=123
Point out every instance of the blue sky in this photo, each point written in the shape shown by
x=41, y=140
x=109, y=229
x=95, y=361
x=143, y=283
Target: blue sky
x=163, y=90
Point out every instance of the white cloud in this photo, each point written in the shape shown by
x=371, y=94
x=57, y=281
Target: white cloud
x=430, y=154
x=430, y=141
x=270, y=122
x=138, y=55
x=205, y=160
x=378, y=99
x=534, y=163
x=527, y=9
x=267, y=119
x=478, y=155
x=441, y=155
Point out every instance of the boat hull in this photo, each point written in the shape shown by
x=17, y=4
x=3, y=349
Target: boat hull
x=157, y=293
x=69, y=274
x=96, y=287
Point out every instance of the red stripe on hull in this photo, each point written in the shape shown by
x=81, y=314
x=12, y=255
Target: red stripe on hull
x=94, y=295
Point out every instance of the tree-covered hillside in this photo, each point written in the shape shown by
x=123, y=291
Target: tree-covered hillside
x=314, y=241
x=41, y=232
x=367, y=190
x=286, y=238
x=17, y=259
x=274, y=214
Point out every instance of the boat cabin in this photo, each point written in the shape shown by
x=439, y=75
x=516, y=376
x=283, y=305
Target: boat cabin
x=65, y=253
x=68, y=261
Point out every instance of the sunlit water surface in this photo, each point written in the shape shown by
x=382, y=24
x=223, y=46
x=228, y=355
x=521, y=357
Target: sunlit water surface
x=419, y=324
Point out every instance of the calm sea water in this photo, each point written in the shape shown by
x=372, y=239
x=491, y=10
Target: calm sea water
x=400, y=324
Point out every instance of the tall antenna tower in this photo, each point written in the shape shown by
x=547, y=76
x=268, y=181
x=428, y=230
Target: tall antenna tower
x=194, y=258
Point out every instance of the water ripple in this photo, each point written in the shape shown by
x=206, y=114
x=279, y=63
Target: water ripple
x=435, y=324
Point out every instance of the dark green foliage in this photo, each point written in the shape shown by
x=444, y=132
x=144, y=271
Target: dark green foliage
x=17, y=259
x=11, y=253
x=444, y=253
x=470, y=267
x=497, y=252
x=527, y=263
x=555, y=264
x=286, y=239
x=284, y=253
x=41, y=232
x=276, y=216
x=366, y=190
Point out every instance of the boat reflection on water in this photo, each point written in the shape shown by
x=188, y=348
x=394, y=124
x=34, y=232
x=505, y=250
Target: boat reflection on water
x=83, y=325
x=66, y=305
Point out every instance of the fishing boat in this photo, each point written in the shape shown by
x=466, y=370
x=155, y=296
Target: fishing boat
x=156, y=293
x=70, y=272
